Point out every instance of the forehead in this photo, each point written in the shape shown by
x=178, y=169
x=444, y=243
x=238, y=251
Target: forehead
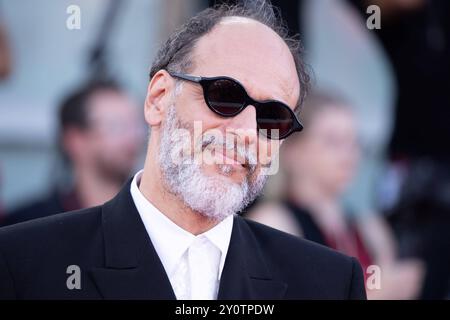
x=106, y=104
x=334, y=119
x=252, y=53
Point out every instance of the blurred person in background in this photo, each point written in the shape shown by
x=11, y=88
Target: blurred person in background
x=318, y=166
x=101, y=135
x=416, y=36
x=421, y=218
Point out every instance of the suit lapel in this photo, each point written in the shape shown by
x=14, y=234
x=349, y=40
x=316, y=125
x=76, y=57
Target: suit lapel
x=246, y=274
x=132, y=269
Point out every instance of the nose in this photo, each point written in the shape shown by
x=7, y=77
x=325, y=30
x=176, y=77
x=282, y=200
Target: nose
x=244, y=126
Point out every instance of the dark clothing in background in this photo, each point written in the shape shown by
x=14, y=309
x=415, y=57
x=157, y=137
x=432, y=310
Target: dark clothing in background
x=421, y=220
x=312, y=232
x=2, y=214
x=418, y=45
x=56, y=202
x=117, y=260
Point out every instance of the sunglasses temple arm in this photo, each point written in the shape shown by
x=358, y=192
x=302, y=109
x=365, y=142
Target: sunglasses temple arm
x=186, y=77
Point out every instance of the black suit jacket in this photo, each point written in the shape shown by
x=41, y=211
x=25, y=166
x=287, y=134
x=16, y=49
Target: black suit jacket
x=117, y=260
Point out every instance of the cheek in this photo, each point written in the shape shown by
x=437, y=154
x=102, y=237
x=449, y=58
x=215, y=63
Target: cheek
x=349, y=165
x=204, y=125
x=106, y=145
x=92, y=142
x=337, y=166
x=353, y=156
x=192, y=107
x=320, y=159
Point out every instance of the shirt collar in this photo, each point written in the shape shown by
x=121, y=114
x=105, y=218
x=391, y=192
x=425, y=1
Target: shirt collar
x=170, y=240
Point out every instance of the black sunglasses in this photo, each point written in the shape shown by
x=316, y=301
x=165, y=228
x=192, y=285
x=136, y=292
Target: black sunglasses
x=227, y=97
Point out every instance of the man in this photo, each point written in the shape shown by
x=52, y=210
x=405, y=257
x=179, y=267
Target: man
x=171, y=233
x=100, y=140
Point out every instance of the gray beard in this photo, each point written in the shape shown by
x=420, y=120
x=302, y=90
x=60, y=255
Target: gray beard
x=214, y=197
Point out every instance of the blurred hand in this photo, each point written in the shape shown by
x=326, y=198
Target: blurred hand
x=401, y=280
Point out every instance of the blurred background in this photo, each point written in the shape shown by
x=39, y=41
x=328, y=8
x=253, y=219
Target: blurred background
x=369, y=175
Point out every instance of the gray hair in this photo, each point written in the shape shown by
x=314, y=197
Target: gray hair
x=175, y=54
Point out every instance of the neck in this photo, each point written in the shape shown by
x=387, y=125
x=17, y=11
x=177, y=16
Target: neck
x=308, y=192
x=169, y=204
x=323, y=204
x=92, y=189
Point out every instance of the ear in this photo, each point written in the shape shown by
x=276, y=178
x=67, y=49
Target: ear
x=159, y=97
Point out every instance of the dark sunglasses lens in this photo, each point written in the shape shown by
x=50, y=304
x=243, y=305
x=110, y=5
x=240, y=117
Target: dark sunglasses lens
x=225, y=96
x=275, y=119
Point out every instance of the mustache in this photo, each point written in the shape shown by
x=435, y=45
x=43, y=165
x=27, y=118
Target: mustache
x=219, y=142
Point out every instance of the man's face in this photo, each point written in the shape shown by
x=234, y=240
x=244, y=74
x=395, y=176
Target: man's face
x=255, y=56
x=115, y=134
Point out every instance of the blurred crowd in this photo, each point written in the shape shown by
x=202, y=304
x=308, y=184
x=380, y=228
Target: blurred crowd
x=369, y=176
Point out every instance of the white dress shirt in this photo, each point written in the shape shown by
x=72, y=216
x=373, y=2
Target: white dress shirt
x=193, y=264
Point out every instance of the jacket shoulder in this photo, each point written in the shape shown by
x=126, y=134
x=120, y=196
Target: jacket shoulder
x=326, y=273
x=58, y=228
x=35, y=255
x=271, y=238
